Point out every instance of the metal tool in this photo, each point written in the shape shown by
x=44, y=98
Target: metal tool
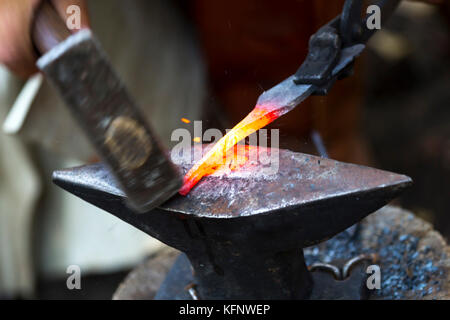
x=332, y=52
x=243, y=232
x=79, y=69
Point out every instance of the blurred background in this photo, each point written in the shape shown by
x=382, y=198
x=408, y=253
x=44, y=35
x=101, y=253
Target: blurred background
x=210, y=60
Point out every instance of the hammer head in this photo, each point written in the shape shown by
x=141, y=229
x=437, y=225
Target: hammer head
x=79, y=69
x=299, y=201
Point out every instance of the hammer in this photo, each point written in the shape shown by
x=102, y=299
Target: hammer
x=78, y=68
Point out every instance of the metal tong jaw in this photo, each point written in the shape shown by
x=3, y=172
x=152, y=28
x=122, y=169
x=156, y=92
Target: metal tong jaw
x=325, y=45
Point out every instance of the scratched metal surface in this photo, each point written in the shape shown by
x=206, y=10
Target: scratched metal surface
x=253, y=188
x=297, y=179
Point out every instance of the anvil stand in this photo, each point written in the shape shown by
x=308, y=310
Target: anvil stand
x=243, y=234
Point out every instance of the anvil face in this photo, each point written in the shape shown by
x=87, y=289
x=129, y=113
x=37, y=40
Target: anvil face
x=282, y=180
x=297, y=180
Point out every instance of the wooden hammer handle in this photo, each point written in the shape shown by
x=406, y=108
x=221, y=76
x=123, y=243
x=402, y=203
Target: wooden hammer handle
x=48, y=28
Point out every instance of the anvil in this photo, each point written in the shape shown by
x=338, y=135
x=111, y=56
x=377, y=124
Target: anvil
x=244, y=231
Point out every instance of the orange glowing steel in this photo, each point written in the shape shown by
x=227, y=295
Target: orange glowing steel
x=214, y=158
x=185, y=120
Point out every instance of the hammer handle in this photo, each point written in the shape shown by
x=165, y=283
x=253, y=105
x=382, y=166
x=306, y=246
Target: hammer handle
x=48, y=28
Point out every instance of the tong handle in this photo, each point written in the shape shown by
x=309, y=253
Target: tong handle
x=48, y=28
x=325, y=46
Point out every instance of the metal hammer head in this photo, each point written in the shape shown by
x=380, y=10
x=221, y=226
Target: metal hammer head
x=79, y=69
